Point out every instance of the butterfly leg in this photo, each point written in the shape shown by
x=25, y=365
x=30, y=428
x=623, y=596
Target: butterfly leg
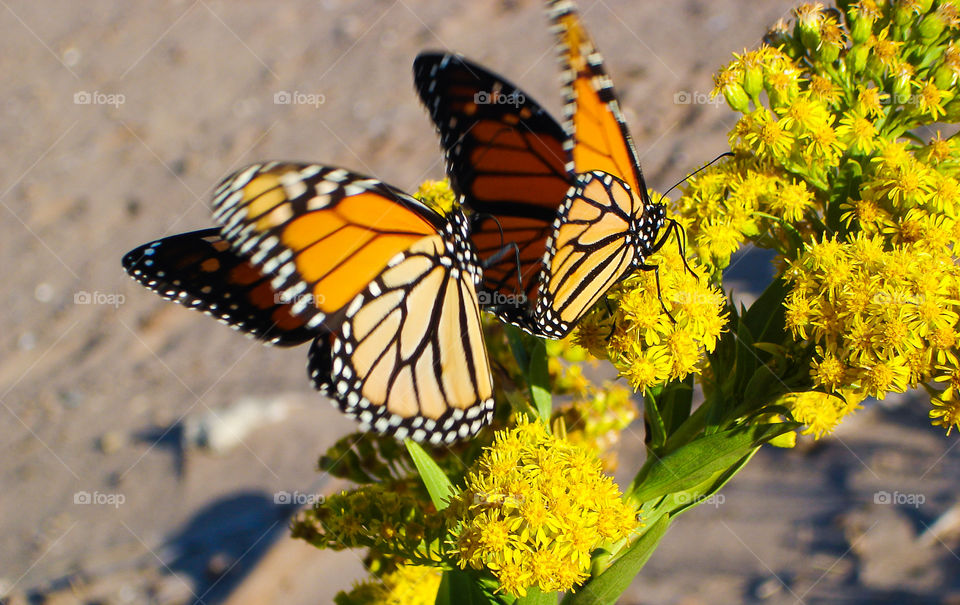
x=656, y=277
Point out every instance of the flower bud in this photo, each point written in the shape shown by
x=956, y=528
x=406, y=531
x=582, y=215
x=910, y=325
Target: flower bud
x=903, y=14
x=931, y=26
x=952, y=111
x=809, y=19
x=902, y=89
x=861, y=26
x=736, y=98
x=778, y=35
x=857, y=58
x=827, y=53
x=753, y=80
x=944, y=78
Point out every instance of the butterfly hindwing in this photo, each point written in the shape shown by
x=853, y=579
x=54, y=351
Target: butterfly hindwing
x=389, y=281
x=199, y=270
x=410, y=361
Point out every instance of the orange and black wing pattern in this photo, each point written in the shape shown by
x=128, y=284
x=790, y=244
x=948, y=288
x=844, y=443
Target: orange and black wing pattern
x=200, y=271
x=597, y=135
x=530, y=181
x=505, y=156
x=392, y=283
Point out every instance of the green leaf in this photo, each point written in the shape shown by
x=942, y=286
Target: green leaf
x=538, y=377
x=679, y=502
x=606, y=587
x=458, y=587
x=519, y=403
x=700, y=459
x=438, y=484
x=656, y=433
x=675, y=403
x=515, y=336
x=537, y=597
x=765, y=317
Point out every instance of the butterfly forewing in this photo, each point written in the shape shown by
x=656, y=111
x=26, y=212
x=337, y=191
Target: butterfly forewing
x=292, y=220
x=200, y=271
x=599, y=137
x=505, y=156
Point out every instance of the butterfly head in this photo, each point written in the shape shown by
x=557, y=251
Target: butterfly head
x=648, y=229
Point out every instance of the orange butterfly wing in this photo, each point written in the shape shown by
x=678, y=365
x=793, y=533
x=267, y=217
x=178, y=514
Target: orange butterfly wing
x=505, y=157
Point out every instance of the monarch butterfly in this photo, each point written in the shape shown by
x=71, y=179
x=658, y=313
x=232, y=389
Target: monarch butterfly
x=572, y=198
x=383, y=285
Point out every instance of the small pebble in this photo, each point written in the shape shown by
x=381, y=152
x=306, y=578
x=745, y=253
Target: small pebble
x=219, y=564
x=43, y=292
x=111, y=442
x=768, y=588
x=71, y=56
x=27, y=341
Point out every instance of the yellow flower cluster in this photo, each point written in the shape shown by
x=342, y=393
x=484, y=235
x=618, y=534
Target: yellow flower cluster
x=533, y=509
x=407, y=585
x=646, y=345
x=387, y=517
x=829, y=174
x=883, y=317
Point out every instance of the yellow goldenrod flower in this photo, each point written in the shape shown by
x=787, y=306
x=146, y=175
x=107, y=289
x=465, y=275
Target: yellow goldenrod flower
x=411, y=584
x=519, y=536
x=870, y=101
x=931, y=99
x=767, y=136
x=858, y=133
x=821, y=412
x=945, y=413
x=438, y=195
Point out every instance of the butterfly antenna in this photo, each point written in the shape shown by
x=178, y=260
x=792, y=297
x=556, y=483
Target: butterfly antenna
x=699, y=170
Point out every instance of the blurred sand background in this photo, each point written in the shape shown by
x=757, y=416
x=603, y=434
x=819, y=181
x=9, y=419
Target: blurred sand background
x=100, y=379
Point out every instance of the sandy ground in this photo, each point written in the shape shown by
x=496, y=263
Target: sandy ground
x=99, y=375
